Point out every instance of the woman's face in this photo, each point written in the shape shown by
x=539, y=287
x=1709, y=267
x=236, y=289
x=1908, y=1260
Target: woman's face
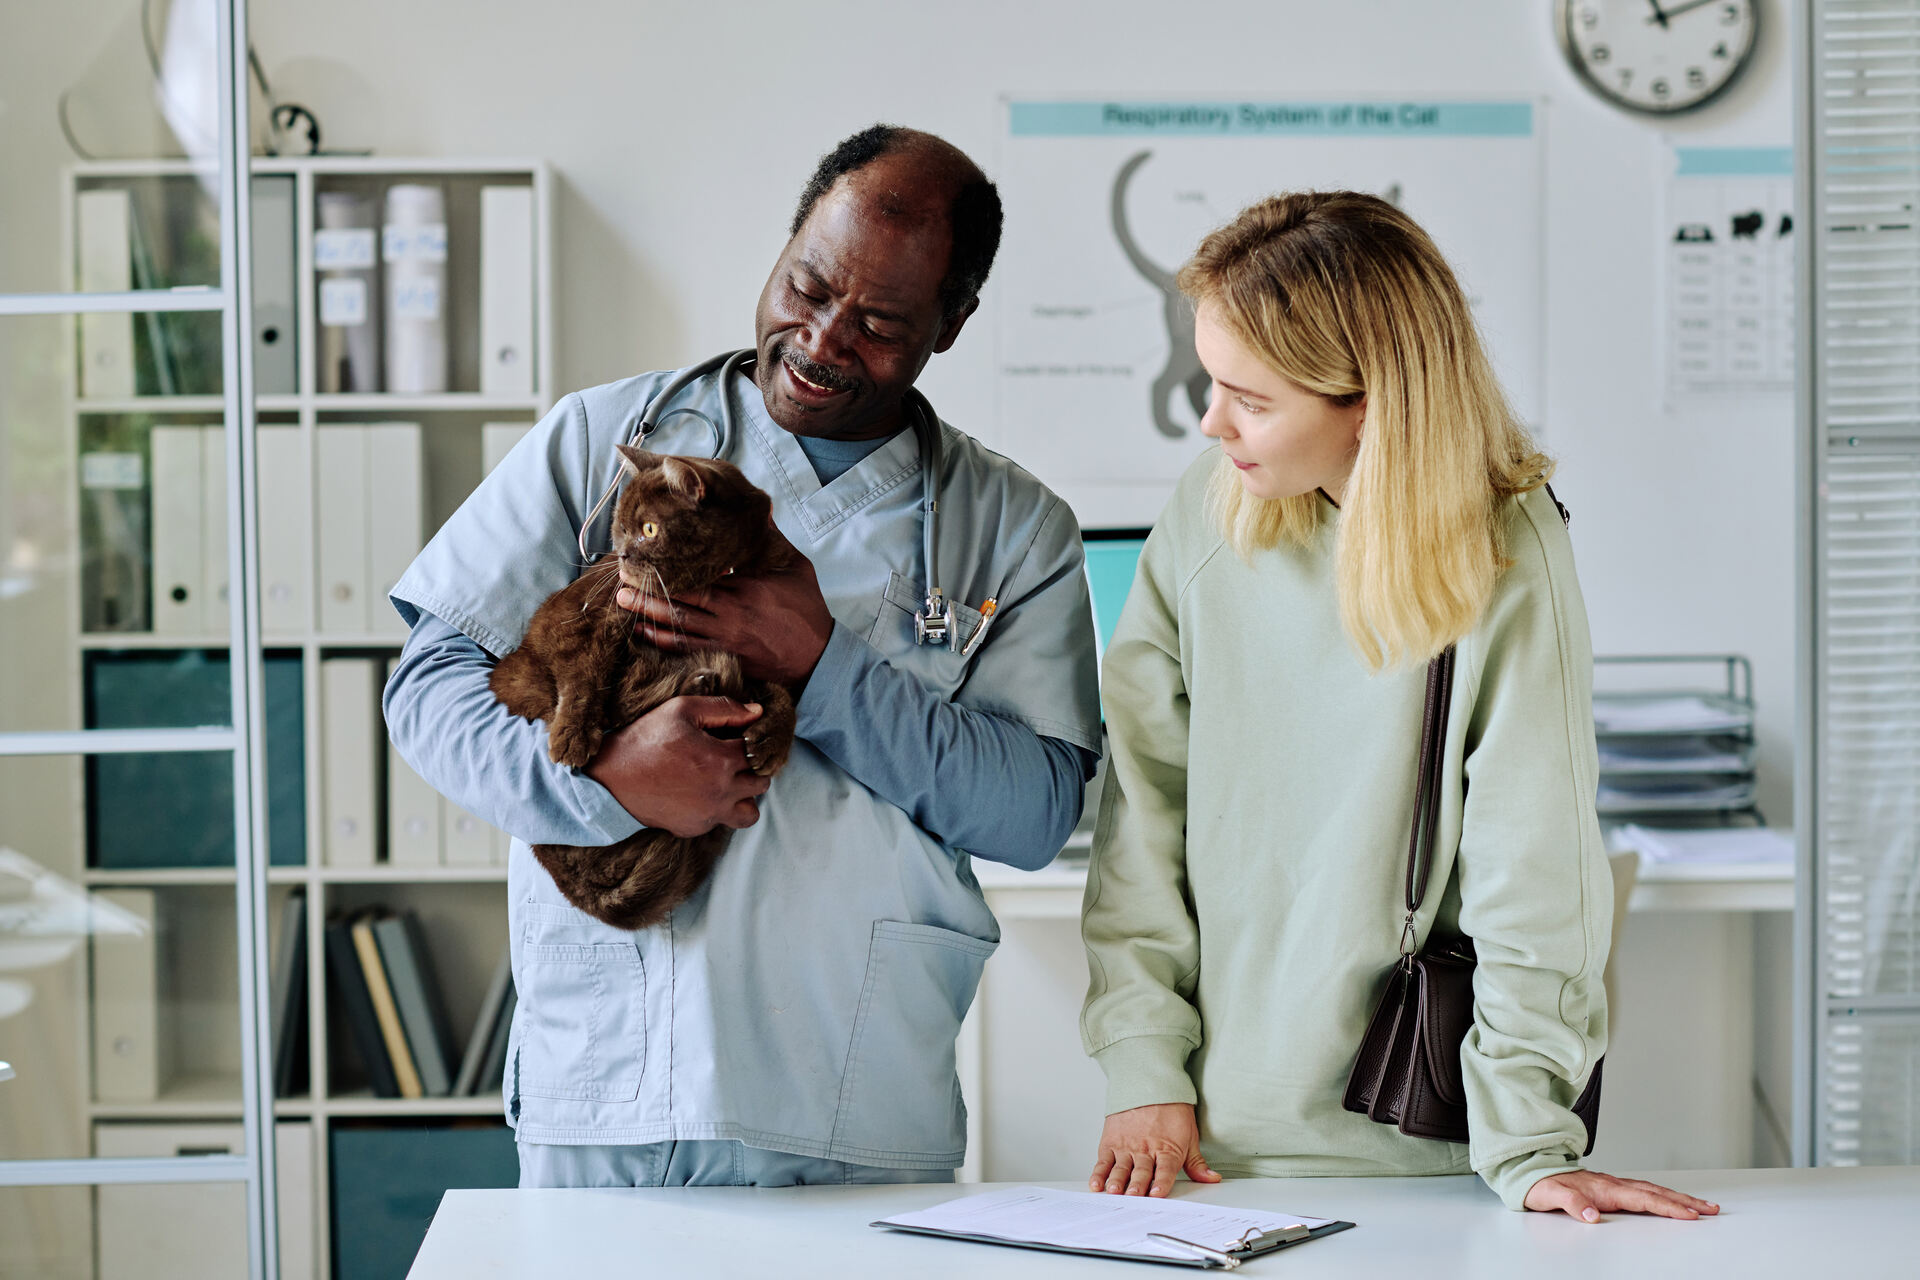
x=1284, y=439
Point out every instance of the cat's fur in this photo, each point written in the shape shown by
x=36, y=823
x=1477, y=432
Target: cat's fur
x=584, y=670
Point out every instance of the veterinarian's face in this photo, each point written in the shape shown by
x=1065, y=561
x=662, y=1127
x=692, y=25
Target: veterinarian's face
x=851, y=313
x=1284, y=439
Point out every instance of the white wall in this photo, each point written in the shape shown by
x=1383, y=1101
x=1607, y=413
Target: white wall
x=682, y=134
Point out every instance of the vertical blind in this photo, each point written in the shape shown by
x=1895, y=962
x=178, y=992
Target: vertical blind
x=1864, y=118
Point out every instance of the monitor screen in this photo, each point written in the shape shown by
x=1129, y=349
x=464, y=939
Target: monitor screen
x=1112, y=556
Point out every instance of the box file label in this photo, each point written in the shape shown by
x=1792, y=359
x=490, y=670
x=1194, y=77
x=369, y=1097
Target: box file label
x=343, y=248
x=111, y=471
x=343, y=301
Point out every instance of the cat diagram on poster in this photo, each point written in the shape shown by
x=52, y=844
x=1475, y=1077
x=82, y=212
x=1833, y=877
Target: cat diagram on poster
x=1100, y=391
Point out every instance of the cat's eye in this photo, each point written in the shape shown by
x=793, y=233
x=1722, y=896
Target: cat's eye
x=649, y=530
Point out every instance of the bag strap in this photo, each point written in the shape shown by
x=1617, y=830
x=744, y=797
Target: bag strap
x=1426, y=787
x=1426, y=790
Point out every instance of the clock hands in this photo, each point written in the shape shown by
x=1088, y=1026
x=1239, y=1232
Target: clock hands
x=1661, y=16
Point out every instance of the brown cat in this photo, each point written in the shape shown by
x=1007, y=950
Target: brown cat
x=680, y=525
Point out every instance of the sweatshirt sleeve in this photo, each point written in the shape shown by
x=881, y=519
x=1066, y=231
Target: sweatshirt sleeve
x=1536, y=895
x=1143, y=943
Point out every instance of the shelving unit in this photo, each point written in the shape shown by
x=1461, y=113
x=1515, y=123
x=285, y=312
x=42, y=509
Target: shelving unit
x=1676, y=738
x=462, y=908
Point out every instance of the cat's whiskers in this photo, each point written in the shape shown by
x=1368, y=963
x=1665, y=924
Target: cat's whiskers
x=668, y=597
x=609, y=574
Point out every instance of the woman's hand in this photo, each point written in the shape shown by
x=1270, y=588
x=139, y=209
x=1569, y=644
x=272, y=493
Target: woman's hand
x=1143, y=1150
x=1586, y=1195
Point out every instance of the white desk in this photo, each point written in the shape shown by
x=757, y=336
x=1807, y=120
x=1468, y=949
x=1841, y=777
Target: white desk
x=1055, y=893
x=1856, y=1223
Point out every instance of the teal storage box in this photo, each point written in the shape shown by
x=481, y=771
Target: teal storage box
x=387, y=1182
x=176, y=810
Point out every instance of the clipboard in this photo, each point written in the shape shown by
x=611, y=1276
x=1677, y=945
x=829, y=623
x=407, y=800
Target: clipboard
x=1020, y=1218
x=1209, y=1259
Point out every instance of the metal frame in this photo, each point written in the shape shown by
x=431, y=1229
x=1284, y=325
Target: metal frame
x=1809, y=546
x=246, y=739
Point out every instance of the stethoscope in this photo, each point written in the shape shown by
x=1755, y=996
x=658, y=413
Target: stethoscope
x=934, y=624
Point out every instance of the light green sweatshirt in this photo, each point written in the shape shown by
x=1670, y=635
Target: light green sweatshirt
x=1246, y=893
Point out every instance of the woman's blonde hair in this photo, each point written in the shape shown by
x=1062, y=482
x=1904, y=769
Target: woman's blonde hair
x=1345, y=296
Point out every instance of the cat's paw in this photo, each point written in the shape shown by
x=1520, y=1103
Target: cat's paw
x=769, y=741
x=572, y=745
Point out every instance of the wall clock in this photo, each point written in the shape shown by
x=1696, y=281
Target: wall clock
x=1659, y=57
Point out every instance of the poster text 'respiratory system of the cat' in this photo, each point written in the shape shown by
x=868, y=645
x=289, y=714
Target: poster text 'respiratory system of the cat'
x=1099, y=390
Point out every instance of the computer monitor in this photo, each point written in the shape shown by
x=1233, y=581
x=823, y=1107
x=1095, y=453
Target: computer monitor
x=1112, y=557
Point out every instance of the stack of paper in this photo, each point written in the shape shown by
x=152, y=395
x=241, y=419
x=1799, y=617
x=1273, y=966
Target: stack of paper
x=1709, y=846
x=1112, y=1226
x=1687, y=713
x=1672, y=755
x=1677, y=793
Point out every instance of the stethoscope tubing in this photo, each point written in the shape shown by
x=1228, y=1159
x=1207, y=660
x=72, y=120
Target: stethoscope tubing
x=926, y=429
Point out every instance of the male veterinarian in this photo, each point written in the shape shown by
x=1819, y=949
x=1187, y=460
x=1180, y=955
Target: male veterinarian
x=794, y=1022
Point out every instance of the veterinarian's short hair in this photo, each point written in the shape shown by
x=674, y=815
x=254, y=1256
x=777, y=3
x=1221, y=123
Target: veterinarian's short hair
x=974, y=216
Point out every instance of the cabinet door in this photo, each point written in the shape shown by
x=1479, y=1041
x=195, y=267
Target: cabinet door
x=199, y=1232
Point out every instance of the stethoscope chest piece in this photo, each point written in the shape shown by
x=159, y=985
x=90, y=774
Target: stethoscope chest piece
x=934, y=623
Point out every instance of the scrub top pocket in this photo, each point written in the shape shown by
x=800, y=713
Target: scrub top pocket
x=583, y=996
x=938, y=667
x=900, y=1094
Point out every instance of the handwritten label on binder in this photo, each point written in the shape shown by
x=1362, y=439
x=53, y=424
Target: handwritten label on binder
x=343, y=301
x=424, y=243
x=417, y=299
x=343, y=249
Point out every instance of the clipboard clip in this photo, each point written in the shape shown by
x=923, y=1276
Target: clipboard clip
x=1250, y=1244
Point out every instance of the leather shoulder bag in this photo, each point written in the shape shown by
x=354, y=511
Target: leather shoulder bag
x=1408, y=1070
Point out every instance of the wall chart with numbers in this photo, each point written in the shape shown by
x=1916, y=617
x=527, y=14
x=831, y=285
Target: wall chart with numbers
x=1099, y=391
x=1728, y=233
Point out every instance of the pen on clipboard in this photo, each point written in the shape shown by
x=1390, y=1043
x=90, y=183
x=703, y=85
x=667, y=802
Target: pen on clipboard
x=1226, y=1261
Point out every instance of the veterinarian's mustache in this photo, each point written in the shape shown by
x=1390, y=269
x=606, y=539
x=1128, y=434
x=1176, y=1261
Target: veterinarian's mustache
x=818, y=374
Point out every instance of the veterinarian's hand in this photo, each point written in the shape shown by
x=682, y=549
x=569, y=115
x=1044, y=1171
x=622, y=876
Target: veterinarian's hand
x=1143, y=1150
x=668, y=772
x=777, y=624
x=1585, y=1195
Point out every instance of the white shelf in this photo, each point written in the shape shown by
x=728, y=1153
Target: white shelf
x=406, y=875
x=161, y=877
x=152, y=404
x=466, y=925
x=325, y=402
x=1055, y=892
x=482, y=167
x=364, y=1105
x=210, y=1097
x=289, y=640
x=445, y=401
x=150, y=640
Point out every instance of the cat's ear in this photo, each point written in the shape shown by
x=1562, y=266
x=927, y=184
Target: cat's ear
x=683, y=478
x=633, y=460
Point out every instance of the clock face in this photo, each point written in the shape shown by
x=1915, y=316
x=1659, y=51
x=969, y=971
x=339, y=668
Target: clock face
x=1658, y=56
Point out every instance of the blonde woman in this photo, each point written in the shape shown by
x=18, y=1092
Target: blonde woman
x=1372, y=501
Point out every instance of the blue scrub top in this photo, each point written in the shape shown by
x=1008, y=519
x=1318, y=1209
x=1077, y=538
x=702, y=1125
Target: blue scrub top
x=807, y=999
